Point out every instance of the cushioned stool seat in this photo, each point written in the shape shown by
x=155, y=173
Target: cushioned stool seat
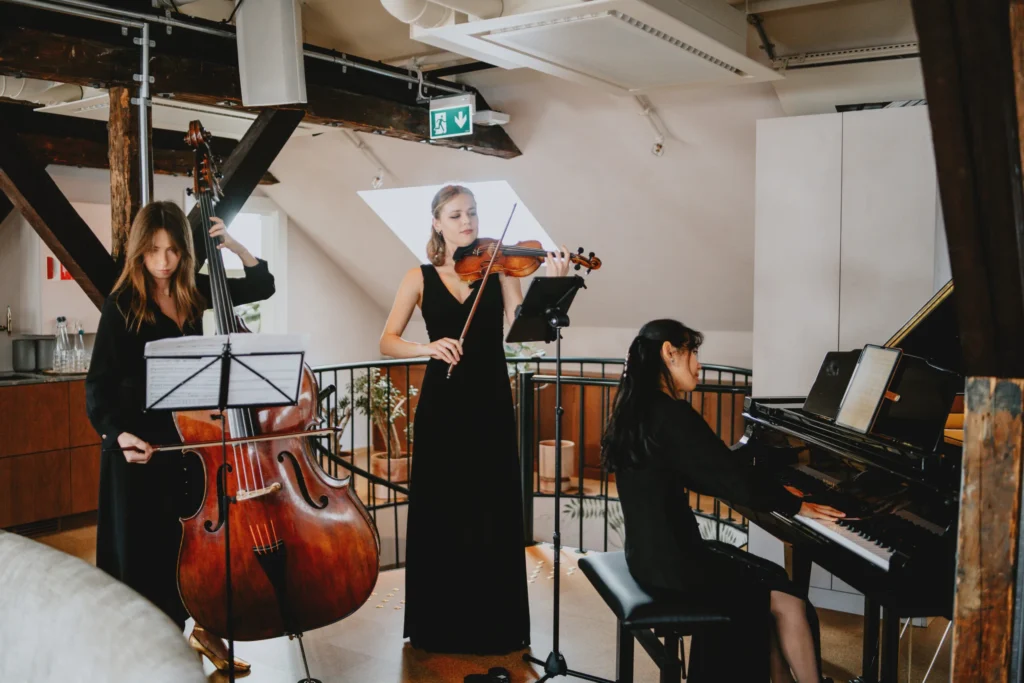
x=646, y=618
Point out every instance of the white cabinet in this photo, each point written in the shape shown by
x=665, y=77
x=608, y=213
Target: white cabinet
x=848, y=246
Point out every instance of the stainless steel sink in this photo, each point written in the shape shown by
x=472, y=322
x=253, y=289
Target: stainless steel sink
x=6, y=377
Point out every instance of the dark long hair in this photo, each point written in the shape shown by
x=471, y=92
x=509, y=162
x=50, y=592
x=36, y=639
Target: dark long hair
x=627, y=440
x=135, y=278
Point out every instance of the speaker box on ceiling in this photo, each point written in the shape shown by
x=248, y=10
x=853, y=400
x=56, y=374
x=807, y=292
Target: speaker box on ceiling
x=270, y=61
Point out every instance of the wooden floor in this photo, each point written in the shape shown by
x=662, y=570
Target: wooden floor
x=367, y=647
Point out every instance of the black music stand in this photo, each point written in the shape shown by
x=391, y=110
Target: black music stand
x=541, y=317
x=219, y=378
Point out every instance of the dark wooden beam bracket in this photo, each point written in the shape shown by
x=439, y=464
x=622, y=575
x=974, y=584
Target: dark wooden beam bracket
x=32, y=192
x=248, y=162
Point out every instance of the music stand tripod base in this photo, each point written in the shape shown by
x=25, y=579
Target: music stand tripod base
x=541, y=317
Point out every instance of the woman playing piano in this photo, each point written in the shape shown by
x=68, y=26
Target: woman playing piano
x=660, y=448
x=143, y=494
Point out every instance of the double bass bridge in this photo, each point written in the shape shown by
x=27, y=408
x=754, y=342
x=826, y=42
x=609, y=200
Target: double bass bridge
x=256, y=493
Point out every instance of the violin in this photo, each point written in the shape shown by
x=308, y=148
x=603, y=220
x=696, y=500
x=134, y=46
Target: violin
x=304, y=552
x=514, y=260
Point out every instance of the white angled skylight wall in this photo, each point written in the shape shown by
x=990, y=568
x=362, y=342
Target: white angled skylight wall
x=406, y=211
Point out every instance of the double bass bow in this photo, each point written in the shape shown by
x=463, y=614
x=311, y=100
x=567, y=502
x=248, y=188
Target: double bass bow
x=304, y=552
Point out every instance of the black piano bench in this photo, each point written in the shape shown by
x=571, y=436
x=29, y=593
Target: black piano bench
x=646, y=619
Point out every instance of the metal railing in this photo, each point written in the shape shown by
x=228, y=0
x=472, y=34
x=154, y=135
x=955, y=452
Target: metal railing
x=374, y=401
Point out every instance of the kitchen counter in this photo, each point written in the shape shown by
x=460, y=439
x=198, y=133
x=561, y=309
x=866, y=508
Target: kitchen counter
x=13, y=379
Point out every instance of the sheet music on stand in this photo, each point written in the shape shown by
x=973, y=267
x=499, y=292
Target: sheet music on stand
x=187, y=373
x=867, y=387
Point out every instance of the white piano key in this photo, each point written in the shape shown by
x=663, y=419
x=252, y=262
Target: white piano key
x=849, y=540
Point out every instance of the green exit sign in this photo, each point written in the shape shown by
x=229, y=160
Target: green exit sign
x=450, y=122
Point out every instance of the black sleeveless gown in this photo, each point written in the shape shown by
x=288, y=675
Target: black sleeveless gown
x=465, y=564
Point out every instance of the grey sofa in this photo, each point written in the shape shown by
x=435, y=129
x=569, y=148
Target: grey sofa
x=63, y=620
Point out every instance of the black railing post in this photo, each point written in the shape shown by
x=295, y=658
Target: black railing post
x=526, y=439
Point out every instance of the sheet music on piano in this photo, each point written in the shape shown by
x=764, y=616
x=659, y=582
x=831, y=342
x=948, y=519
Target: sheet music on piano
x=184, y=373
x=867, y=387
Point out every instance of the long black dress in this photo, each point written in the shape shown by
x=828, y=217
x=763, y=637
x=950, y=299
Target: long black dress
x=465, y=566
x=667, y=555
x=138, y=529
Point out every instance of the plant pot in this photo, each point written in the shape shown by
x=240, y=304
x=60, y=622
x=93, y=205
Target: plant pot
x=399, y=465
x=547, y=464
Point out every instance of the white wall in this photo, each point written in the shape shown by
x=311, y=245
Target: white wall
x=675, y=232
x=343, y=322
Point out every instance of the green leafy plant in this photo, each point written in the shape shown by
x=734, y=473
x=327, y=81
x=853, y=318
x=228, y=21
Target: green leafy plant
x=594, y=509
x=521, y=350
x=250, y=315
x=377, y=396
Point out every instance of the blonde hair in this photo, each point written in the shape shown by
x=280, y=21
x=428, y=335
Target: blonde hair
x=435, y=246
x=151, y=218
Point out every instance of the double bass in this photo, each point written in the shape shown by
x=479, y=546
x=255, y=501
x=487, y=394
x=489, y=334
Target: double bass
x=304, y=552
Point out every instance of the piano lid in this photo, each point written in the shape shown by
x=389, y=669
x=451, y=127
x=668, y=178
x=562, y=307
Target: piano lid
x=933, y=332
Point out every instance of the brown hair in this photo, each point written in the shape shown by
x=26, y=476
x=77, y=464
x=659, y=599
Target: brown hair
x=435, y=247
x=152, y=217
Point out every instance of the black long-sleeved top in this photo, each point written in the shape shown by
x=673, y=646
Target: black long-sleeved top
x=663, y=545
x=116, y=383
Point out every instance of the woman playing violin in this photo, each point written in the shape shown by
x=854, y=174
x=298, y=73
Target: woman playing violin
x=465, y=494
x=143, y=494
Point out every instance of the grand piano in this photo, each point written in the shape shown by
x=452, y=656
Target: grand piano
x=900, y=477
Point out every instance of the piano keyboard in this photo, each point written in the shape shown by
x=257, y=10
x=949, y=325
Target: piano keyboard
x=849, y=539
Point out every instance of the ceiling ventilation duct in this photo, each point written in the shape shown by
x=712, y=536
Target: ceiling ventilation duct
x=622, y=46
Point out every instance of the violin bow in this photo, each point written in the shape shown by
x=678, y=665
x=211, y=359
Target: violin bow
x=483, y=283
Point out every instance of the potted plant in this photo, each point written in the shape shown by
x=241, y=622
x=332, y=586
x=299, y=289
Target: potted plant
x=377, y=397
x=546, y=448
x=340, y=418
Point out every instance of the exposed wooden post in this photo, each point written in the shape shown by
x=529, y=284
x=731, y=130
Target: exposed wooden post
x=971, y=60
x=248, y=162
x=989, y=534
x=123, y=155
x=32, y=191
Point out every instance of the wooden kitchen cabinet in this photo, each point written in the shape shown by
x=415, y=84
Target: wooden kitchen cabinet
x=49, y=453
x=85, y=478
x=35, y=418
x=34, y=487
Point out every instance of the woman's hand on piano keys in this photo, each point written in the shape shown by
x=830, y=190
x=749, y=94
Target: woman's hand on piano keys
x=816, y=511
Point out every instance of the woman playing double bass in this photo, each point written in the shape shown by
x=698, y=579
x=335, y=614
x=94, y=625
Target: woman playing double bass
x=143, y=494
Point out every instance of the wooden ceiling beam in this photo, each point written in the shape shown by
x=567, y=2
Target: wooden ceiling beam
x=32, y=192
x=89, y=53
x=71, y=141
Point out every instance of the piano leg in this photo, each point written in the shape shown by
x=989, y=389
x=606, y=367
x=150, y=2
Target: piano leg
x=890, y=646
x=801, y=568
x=869, y=648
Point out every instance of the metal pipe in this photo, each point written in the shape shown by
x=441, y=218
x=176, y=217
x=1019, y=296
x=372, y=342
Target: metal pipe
x=89, y=10
x=40, y=4
x=144, y=151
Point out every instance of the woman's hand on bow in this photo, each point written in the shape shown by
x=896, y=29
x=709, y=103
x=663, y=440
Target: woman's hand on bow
x=448, y=350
